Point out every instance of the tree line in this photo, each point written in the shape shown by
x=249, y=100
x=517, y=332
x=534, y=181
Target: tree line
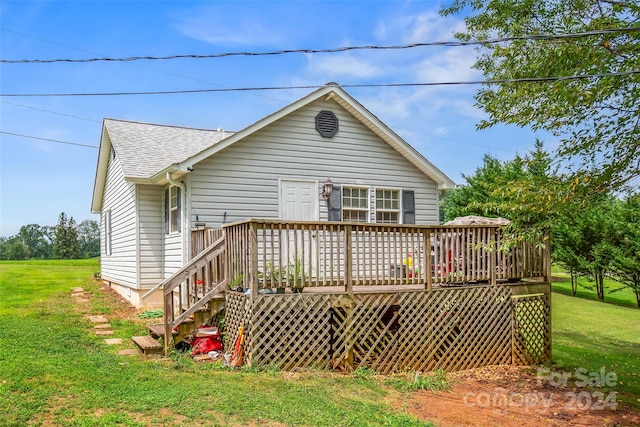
x=576, y=197
x=594, y=235
x=65, y=240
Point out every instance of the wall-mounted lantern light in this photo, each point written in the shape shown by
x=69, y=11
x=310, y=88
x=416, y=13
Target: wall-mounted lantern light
x=327, y=189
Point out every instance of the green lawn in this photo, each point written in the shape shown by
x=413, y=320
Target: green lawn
x=614, y=292
x=594, y=335
x=55, y=371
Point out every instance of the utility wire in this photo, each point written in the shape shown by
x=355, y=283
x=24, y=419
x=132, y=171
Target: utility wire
x=51, y=112
x=364, y=85
x=132, y=64
x=47, y=139
x=334, y=50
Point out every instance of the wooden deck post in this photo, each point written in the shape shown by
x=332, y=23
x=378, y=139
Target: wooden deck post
x=547, y=260
x=348, y=259
x=493, y=253
x=427, y=260
x=168, y=320
x=253, y=259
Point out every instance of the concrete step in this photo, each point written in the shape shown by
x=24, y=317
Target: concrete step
x=148, y=345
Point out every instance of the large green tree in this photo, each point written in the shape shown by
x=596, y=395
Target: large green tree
x=65, y=239
x=597, y=118
x=89, y=238
x=626, y=260
x=521, y=190
x=476, y=196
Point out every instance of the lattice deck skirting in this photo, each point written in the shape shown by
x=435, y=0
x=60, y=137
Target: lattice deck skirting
x=449, y=328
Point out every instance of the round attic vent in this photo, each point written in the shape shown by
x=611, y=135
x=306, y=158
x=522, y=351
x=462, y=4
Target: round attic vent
x=326, y=123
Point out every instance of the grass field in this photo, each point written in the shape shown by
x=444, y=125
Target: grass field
x=593, y=335
x=55, y=371
x=614, y=292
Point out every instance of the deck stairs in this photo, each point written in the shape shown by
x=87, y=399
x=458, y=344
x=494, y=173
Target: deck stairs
x=153, y=343
x=203, y=305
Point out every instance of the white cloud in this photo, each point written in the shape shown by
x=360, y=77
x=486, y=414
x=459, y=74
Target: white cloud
x=429, y=26
x=345, y=65
x=452, y=64
x=213, y=26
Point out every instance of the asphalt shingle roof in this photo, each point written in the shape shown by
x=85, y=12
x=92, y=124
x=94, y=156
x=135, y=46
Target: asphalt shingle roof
x=144, y=149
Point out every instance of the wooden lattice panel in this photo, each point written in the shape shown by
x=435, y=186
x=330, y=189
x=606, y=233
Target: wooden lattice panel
x=292, y=331
x=532, y=329
x=451, y=329
x=237, y=314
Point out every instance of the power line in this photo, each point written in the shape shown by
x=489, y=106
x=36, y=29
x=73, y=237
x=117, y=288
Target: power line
x=335, y=50
x=364, y=85
x=51, y=112
x=132, y=64
x=47, y=139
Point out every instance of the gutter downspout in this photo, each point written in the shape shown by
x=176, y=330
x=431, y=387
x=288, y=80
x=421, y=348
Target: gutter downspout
x=183, y=232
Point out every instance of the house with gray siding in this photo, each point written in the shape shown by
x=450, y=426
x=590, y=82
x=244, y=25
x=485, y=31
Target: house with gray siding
x=324, y=157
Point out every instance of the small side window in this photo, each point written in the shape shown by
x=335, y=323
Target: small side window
x=172, y=210
x=107, y=232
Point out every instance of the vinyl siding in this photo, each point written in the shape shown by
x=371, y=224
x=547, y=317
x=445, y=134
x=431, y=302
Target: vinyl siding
x=242, y=180
x=172, y=253
x=150, y=235
x=119, y=197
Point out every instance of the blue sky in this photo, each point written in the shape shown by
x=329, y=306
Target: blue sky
x=40, y=179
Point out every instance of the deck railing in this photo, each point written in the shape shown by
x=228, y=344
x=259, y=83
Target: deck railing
x=283, y=254
x=194, y=285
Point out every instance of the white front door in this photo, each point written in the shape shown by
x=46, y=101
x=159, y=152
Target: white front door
x=299, y=200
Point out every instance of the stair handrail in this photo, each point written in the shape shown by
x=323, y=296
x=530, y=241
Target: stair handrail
x=186, y=270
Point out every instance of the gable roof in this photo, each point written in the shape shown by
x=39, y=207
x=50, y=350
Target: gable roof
x=333, y=92
x=148, y=151
x=143, y=149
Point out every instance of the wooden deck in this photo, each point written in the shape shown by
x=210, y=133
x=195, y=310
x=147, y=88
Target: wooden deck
x=388, y=297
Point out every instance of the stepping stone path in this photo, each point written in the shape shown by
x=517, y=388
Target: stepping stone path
x=98, y=319
x=101, y=324
x=79, y=295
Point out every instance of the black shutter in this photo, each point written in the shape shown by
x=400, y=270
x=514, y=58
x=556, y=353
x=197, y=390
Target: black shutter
x=334, y=204
x=167, y=195
x=408, y=207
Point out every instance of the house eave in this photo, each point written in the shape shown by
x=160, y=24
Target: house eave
x=101, y=171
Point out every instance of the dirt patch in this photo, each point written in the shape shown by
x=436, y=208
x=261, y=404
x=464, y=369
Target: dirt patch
x=118, y=306
x=499, y=396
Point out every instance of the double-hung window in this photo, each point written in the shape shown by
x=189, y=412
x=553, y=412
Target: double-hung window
x=366, y=204
x=387, y=206
x=172, y=210
x=355, y=204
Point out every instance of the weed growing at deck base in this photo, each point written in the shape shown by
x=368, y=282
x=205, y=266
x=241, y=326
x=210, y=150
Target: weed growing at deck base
x=55, y=371
x=412, y=381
